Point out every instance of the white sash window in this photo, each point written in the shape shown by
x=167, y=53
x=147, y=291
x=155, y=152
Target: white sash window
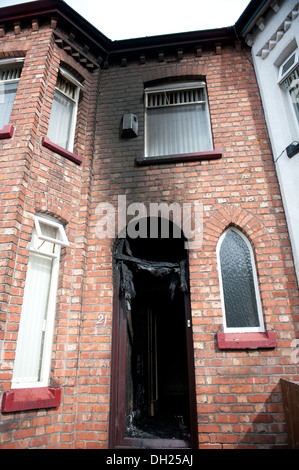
x=289, y=76
x=34, y=345
x=10, y=72
x=177, y=119
x=64, y=110
x=292, y=85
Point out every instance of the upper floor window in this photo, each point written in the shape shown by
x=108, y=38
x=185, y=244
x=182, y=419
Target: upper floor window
x=177, y=119
x=289, y=76
x=10, y=72
x=64, y=110
x=34, y=345
x=239, y=286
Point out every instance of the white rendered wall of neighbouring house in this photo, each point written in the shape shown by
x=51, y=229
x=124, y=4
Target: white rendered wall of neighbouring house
x=273, y=37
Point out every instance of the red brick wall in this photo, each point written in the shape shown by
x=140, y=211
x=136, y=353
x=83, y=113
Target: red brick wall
x=239, y=401
x=238, y=392
x=37, y=180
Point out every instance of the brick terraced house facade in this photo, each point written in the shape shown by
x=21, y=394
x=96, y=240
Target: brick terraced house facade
x=111, y=338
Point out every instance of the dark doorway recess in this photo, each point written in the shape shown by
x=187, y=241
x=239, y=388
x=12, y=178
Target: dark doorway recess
x=153, y=401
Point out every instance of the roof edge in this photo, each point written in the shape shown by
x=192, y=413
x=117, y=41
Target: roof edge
x=250, y=15
x=60, y=8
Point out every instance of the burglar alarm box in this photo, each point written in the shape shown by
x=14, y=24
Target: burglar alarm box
x=129, y=126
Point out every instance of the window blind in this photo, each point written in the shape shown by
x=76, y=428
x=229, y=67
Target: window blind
x=175, y=98
x=177, y=120
x=10, y=73
x=68, y=88
x=8, y=92
x=33, y=320
x=9, y=78
x=292, y=85
x=63, y=113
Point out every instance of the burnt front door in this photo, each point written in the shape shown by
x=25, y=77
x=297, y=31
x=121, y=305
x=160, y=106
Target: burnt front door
x=153, y=385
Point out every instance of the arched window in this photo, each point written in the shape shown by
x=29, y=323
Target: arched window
x=241, y=303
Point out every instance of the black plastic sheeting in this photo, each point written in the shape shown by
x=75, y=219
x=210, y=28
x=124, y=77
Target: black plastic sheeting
x=130, y=265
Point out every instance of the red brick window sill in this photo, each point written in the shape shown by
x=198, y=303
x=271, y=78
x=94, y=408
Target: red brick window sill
x=73, y=157
x=215, y=154
x=21, y=399
x=7, y=132
x=246, y=340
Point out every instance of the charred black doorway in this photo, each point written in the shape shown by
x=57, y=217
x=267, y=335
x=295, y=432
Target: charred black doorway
x=153, y=386
x=157, y=368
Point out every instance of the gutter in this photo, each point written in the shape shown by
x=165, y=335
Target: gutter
x=250, y=15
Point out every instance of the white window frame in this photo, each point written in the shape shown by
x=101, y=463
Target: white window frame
x=70, y=78
x=283, y=81
x=6, y=63
x=62, y=240
x=37, y=246
x=283, y=75
x=261, y=327
x=176, y=87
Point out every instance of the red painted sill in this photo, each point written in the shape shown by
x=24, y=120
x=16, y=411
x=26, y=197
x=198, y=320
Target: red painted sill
x=21, y=399
x=246, y=340
x=73, y=157
x=7, y=132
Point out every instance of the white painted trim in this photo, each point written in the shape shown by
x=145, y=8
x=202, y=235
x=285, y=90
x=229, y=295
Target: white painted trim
x=283, y=76
x=11, y=61
x=63, y=241
x=46, y=350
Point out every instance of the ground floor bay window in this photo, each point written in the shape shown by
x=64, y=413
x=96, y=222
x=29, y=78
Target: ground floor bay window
x=153, y=389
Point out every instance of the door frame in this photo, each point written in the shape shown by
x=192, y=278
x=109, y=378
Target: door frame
x=117, y=438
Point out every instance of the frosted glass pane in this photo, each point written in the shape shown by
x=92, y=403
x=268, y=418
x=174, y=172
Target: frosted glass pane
x=238, y=283
x=7, y=97
x=34, y=312
x=178, y=129
x=61, y=120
